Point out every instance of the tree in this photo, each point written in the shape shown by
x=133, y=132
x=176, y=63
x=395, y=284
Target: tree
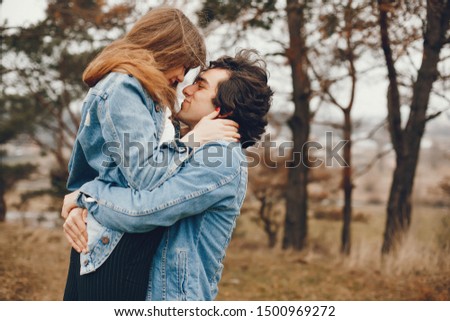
x=346, y=27
x=262, y=15
x=41, y=73
x=267, y=180
x=406, y=141
x=296, y=222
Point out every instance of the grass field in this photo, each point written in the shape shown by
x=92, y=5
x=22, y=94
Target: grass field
x=33, y=262
x=420, y=270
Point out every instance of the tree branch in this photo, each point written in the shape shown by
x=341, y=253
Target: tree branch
x=274, y=54
x=436, y=114
x=350, y=56
x=394, y=116
x=75, y=120
x=373, y=131
x=61, y=130
x=330, y=124
x=319, y=104
x=281, y=43
x=441, y=95
x=372, y=163
x=433, y=116
x=324, y=85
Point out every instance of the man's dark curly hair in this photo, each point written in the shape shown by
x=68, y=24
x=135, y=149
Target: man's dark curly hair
x=245, y=97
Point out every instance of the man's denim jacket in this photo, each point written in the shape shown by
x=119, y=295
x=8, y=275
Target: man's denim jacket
x=200, y=203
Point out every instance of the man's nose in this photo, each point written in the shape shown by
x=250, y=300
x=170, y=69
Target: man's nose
x=188, y=90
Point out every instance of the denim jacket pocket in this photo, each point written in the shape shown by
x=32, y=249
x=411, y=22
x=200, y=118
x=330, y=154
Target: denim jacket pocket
x=182, y=274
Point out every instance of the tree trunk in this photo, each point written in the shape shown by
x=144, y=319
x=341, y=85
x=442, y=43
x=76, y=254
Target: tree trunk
x=296, y=228
x=2, y=205
x=347, y=185
x=399, y=203
x=264, y=214
x=398, y=208
x=2, y=189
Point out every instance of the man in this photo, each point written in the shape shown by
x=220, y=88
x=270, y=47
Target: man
x=200, y=200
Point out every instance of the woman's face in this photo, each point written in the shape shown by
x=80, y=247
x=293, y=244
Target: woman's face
x=175, y=76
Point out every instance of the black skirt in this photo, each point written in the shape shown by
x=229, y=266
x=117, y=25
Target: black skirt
x=122, y=277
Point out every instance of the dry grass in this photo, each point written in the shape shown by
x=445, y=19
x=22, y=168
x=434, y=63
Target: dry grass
x=33, y=263
x=419, y=270
x=258, y=274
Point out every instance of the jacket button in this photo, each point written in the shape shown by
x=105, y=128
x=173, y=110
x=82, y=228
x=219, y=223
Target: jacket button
x=86, y=262
x=105, y=240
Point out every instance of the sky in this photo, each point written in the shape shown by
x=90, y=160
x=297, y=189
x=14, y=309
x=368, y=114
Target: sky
x=22, y=12
x=370, y=101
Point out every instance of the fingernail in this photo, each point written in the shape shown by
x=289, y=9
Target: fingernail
x=217, y=108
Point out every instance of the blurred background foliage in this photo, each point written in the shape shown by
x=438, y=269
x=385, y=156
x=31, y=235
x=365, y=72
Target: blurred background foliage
x=319, y=53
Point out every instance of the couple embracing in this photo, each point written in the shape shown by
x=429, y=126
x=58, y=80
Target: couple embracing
x=157, y=189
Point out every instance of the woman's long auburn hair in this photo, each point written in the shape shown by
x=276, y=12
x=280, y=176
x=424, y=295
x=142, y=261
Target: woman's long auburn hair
x=163, y=39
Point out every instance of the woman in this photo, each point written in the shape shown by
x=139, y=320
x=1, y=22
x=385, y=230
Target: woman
x=123, y=117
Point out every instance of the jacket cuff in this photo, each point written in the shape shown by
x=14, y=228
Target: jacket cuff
x=79, y=200
x=178, y=146
x=83, y=200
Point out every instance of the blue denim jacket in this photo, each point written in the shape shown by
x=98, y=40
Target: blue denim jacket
x=118, y=142
x=200, y=203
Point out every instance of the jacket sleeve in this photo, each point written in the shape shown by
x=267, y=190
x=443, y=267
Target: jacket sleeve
x=131, y=138
x=209, y=178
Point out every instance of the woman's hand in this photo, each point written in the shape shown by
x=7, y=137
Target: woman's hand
x=75, y=229
x=211, y=128
x=69, y=204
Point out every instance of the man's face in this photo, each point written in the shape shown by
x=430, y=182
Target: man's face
x=198, y=102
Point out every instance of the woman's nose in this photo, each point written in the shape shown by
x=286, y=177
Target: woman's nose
x=180, y=76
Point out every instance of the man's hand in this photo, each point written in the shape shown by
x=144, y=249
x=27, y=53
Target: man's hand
x=69, y=204
x=75, y=229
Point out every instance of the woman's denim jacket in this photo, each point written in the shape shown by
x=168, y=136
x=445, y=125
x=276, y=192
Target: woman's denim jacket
x=118, y=138
x=118, y=142
x=200, y=203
